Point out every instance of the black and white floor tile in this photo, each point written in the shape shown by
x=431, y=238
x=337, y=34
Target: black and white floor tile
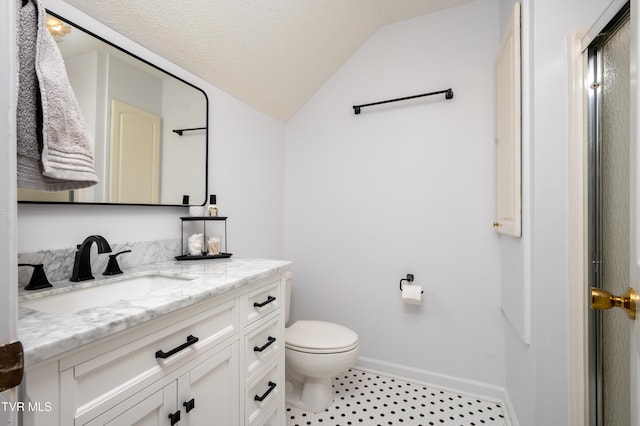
x=363, y=398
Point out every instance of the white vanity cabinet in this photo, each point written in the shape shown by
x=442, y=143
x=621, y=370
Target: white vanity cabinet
x=263, y=367
x=206, y=395
x=217, y=362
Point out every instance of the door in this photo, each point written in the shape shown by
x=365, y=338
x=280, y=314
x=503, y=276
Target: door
x=609, y=215
x=147, y=410
x=508, y=128
x=614, y=250
x=8, y=207
x=635, y=213
x=134, y=172
x=208, y=394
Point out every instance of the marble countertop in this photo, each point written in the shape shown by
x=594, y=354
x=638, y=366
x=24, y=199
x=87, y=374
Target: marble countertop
x=46, y=335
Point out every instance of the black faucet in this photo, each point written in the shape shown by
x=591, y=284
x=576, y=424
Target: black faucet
x=82, y=264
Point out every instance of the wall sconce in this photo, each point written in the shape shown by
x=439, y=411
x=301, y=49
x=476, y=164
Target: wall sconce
x=57, y=28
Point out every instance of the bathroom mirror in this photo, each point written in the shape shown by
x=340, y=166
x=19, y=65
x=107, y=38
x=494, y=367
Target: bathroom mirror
x=149, y=128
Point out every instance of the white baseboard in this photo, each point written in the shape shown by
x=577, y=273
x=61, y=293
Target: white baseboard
x=485, y=391
x=509, y=412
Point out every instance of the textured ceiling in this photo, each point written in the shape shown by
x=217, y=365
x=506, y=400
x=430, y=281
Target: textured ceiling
x=271, y=54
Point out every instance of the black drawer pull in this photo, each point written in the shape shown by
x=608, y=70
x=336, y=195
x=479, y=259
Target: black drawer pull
x=190, y=341
x=175, y=417
x=189, y=405
x=266, y=302
x=270, y=340
x=272, y=386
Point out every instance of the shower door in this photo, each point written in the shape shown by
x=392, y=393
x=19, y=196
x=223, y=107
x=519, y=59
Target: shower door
x=609, y=218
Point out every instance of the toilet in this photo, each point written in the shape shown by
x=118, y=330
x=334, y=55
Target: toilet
x=315, y=352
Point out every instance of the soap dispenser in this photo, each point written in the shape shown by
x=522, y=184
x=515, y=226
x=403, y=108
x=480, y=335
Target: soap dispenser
x=212, y=209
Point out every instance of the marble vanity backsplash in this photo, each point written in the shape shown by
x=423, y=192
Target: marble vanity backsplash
x=58, y=264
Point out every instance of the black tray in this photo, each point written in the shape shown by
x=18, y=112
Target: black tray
x=212, y=256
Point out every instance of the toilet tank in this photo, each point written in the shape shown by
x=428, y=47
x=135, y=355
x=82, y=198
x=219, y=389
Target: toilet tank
x=287, y=296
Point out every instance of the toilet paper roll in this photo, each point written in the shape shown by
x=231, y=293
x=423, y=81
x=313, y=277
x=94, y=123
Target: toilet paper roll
x=412, y=294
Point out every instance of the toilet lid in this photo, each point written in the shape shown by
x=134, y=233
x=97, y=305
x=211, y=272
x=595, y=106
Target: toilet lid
x=319, y=336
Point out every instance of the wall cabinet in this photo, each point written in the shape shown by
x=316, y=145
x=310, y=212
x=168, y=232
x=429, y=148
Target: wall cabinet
x=509, y=131
x=219, y=362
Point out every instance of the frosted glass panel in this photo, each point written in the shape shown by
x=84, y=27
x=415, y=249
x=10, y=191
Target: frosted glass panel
x=615, y=223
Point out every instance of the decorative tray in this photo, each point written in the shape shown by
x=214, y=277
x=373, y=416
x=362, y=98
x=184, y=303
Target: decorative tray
x=206, y=256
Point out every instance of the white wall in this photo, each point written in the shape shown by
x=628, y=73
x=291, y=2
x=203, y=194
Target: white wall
x=404, y=188
x=246, y=160
x=183, y=107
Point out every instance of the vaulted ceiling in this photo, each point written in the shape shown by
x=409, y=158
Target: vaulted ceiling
x=271, y=54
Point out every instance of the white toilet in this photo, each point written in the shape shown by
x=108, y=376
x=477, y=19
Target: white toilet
x=315, y=352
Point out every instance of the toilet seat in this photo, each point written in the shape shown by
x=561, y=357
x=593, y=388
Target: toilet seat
x=319, y=337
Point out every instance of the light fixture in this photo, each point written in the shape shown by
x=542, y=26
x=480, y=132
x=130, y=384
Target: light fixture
x=57, y=28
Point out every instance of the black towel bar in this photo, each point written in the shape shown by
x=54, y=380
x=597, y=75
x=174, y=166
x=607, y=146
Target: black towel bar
x=181, y=131
x=448, y=94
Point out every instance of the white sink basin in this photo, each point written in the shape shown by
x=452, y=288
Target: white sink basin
x=138, y=287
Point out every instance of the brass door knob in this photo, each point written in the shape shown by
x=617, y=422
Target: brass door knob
x=602, y=299
x=496, y=224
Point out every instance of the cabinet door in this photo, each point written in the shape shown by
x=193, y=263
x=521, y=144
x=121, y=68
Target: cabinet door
x=509, y=131
x=208, y=395
x=142, y=410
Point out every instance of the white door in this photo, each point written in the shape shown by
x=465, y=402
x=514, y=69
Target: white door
x=134, y=172
x=208, y=393
x=142, y=410
x=508, y=128
x=8, y=208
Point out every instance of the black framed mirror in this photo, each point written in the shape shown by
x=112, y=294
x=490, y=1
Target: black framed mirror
x=149, y=128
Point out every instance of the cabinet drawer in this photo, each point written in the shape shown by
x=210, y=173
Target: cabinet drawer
x=262, y=344
x=122, y=371
x=262, y=394
x=263, y=301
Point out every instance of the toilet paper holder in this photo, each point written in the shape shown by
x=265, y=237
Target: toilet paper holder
x=409, y=279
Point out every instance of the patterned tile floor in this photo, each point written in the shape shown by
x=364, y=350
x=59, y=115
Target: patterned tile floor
x=363, y=398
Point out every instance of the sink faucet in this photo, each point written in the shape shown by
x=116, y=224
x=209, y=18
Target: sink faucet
x=82, y=264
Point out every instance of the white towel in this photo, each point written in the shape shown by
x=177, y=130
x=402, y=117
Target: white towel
x=66, y=155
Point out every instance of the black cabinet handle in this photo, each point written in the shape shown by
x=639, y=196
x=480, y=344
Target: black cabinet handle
x=189, y=405
x=272, y=386
x=270, y=340
x=175, y=417
x=190, y=341
x=266, y=302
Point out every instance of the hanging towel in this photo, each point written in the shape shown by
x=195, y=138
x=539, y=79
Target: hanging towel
x=65, y=159
x=29, y=109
